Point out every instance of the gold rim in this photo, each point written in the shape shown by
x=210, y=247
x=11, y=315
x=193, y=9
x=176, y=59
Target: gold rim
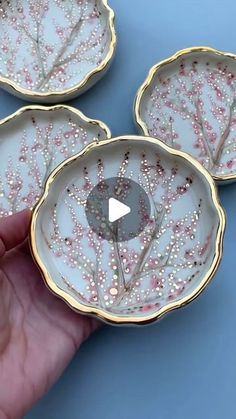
x=75, y=111
x=152, y=73
x=108, y=317
x=73, y=90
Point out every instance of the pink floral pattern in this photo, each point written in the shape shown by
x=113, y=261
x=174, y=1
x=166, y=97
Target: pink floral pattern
x=32, y=144
x=52, y=45
x=191, y=105
x=163, y=264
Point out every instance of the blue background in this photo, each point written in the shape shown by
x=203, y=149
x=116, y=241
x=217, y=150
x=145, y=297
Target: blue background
x=184, y=366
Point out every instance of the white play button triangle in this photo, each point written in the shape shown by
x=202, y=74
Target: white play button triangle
x=117, y=210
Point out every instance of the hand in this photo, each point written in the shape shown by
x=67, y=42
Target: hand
x=39, y=334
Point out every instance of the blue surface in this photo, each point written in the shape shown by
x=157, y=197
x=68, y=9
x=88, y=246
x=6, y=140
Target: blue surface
x=183, y=367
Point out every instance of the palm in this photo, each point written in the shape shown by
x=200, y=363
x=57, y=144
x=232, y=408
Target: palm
x=39, y=334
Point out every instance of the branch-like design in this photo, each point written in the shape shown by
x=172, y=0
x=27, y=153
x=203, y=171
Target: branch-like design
x=155, y=267
x=159, y=216
x=60, y=54
x=201, y=124
x=203, y=99
x=62, y=42
x=36, y=41
x=225, y=135
x=43, y=145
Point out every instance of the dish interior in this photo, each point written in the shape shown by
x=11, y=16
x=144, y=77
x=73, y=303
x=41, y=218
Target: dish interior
x=31, y=146
x=165, y=263
x=52, y=45
x=191, y=105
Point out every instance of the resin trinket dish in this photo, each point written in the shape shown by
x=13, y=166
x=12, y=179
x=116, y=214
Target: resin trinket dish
x=138, y=280
x=189, y=102
x=33, y=141
x=53, y=50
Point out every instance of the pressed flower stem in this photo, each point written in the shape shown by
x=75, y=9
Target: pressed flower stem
x=143, y=257
x=214, y=158
x=121, y=275
x=73, y=290
x=61, y=52
x=200, y=122
x=147, y=249
x=225, y=135
x=37, y=46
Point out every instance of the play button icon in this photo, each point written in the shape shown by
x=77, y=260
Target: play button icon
x=117, y=209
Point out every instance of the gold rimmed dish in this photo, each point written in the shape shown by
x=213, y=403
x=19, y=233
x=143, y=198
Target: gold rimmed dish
x=189, y=102
x=33, y=142
x=53, y=51
x=137, y=280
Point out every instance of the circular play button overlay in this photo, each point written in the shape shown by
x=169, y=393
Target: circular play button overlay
x=118, y=209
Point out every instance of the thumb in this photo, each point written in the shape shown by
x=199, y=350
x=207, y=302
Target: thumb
x=13, y=230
